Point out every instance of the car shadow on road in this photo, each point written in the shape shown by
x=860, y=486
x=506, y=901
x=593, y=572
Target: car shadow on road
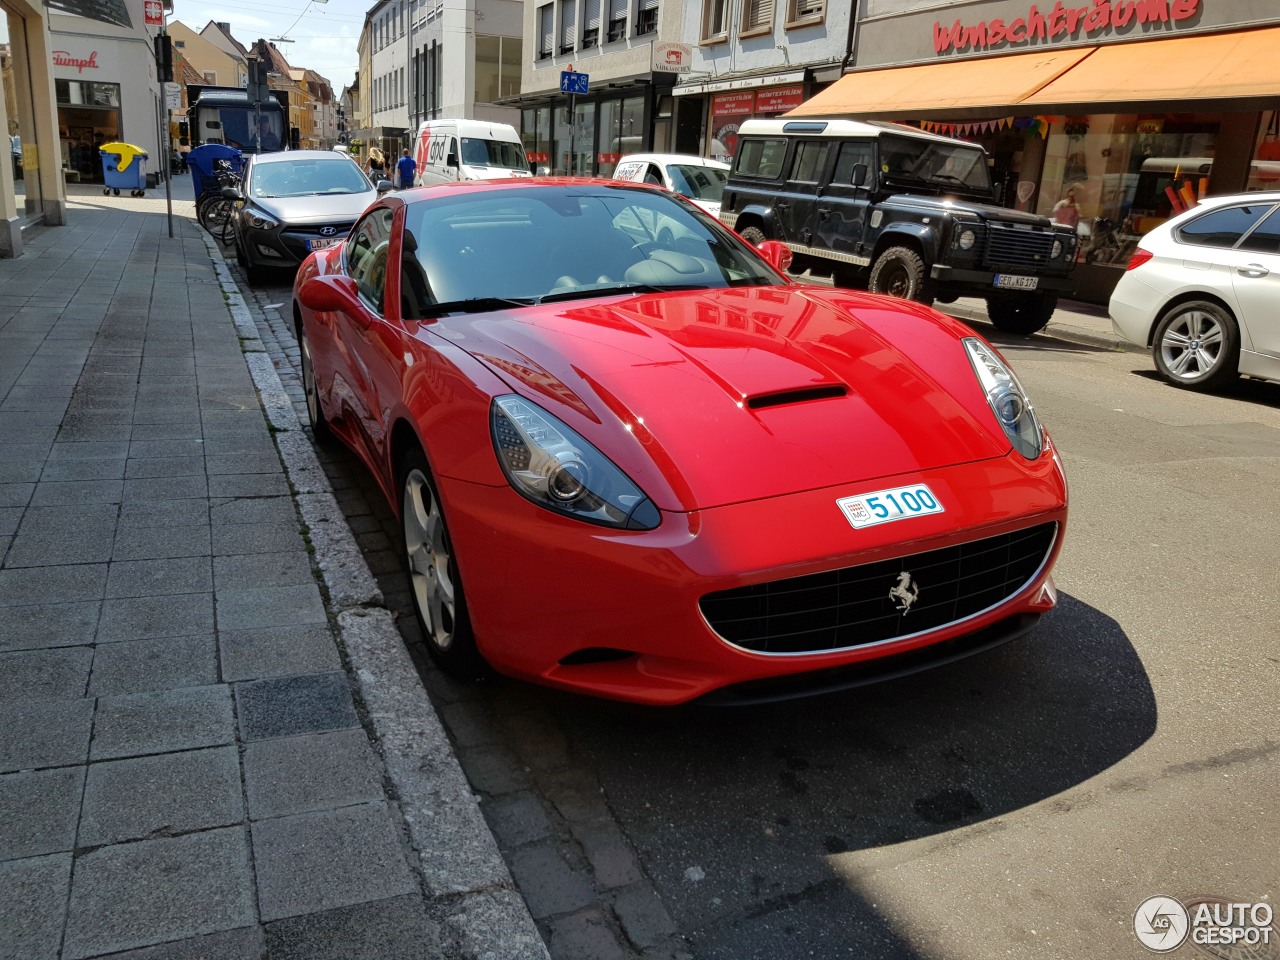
x=1263, y=393
x=735, y=812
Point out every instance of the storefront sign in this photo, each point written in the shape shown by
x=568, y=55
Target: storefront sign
x=154, y=11
x=64, y=58
x=779, y=99
x=672, y=58
x=1060, y=23
x=173, y=96
x=733, y=104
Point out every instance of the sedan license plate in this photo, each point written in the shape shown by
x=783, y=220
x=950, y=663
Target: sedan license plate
x=322, y=244
x=1011, y=281
x=885, y=506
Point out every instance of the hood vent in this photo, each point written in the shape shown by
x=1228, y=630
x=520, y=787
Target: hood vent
x=785, y=398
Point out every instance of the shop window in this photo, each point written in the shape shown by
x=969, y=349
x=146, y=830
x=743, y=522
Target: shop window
x=568, y=25
x=617, y=20
x=647, y=17
x=715, y=20
x=1222, y=228
x=591, y=24
x=546, y=31
x=757, y=17
x=803, y=13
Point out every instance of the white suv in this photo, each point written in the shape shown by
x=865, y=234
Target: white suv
x=1202, y=291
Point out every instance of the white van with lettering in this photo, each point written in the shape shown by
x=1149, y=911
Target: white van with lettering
x=449, y=150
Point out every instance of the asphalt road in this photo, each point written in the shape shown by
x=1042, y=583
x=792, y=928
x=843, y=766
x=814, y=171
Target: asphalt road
x=1019, y=804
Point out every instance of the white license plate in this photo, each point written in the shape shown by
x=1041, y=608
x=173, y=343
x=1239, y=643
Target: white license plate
x=885, y=506
x=323, y=244
x=1011, y=281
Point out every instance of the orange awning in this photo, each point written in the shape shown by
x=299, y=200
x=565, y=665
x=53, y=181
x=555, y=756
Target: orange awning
x=956, y=84
x=1215, y=66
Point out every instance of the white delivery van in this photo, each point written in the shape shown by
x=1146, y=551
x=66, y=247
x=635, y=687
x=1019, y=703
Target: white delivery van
x=449, y=150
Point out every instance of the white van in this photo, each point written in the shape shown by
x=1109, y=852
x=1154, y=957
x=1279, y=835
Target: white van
x=701, y=180
x=449, y=150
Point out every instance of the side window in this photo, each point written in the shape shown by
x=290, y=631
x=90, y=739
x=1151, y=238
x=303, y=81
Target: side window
x=852, y=153
x=811, y=160
x=761, y=158
x=653, y=175
x=1223, y=227
x=366, y=254
x=1265, y=239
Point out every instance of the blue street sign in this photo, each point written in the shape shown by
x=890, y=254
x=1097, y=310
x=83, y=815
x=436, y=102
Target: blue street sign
x=571, y=82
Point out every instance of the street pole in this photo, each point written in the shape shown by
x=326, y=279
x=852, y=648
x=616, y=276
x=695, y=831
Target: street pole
x=573, y=130
x=168, y=140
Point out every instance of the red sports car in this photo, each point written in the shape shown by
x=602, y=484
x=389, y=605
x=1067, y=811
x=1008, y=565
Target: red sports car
x=633, y=459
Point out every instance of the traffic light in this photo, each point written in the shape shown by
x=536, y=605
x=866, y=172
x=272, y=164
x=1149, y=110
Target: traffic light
x=259, y=91
x=164, y=57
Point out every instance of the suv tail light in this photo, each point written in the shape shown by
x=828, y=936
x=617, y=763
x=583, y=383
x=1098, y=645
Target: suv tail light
x=1139, y=257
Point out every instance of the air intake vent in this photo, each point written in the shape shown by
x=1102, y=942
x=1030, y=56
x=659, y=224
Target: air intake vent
x=786, y=397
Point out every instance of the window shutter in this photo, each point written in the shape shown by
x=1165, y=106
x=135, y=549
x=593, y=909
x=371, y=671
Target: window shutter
x=617, y=10
x=648, y=5
x=593, y=15
x=759, y=13
x=568, y=23
x=545, y=30
x=810, y=8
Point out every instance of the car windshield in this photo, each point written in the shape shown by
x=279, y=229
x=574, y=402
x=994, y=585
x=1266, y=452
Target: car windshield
x=300, y=178
x=477, y=152
x=945, y=164
x=697, y=182
x=470, y=250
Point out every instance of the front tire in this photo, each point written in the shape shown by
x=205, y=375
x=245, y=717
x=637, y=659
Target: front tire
x=434, y=583
x=315, y=413
x=753, y=235
x=1022, y=314
x=1197, y=346
x=901, y=272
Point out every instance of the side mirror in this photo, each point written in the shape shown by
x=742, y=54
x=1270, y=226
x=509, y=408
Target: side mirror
x=451, y=160
x=385, y=186
x=859, y=174
x=777, y=254
x=331, y=294
x=231, y=193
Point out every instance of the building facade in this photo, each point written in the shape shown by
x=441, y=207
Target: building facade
x=216, y=64
x=1137, y=106
x=388, y=91
x=480, y=66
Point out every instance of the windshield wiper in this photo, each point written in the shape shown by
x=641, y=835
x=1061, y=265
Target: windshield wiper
x=597, y=291
x=475, y=305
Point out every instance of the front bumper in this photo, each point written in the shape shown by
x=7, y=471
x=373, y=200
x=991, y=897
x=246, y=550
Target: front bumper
x=616, y=613
x=288, y=245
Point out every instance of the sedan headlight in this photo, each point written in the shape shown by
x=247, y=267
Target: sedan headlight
x=259, y=220
x=553, y=466
x=1009, y=402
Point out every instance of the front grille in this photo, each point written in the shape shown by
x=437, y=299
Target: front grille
x=1008, y=246
x=853, y=607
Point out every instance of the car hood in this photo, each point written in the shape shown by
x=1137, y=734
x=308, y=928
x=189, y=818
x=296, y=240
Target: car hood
x=316, y=207
x=735, y=394
x=939, y=205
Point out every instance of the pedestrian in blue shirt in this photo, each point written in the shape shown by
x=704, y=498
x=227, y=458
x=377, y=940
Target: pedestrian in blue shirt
x=405, y=166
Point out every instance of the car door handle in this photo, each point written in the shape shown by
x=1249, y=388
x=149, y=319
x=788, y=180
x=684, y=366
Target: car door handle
x=824, y=213
x=781, y=206
x=1253, y=270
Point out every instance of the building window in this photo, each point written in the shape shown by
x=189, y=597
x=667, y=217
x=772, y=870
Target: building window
x=211, y=76
x=546, y=31
x=568, y=25
x=617, y=20
x=715, y=20
x=757, y=17
x=647, y=17
x=591, y=25
x=805, y=12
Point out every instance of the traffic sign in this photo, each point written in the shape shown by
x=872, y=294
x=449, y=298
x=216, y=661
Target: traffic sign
x=571, y=82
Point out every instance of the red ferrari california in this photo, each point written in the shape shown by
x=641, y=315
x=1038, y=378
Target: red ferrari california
x=633, y=459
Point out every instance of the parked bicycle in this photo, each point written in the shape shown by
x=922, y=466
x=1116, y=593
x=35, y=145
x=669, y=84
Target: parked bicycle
x=213, y=210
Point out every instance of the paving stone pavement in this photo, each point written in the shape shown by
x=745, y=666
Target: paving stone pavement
x=188, y=769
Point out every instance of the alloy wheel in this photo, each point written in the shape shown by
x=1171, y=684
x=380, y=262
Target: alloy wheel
x=430, y=562
x=1192, y=345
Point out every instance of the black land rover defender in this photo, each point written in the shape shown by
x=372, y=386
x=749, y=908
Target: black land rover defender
x=899, y=211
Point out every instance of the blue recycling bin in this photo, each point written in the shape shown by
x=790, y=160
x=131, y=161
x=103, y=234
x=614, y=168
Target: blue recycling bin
x=201, y=159
x=124, y=167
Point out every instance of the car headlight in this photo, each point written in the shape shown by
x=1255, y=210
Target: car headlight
x=966, y=240
x=1056, y=252
x=1009, y=402
x=259, y=220
x=553, y=466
